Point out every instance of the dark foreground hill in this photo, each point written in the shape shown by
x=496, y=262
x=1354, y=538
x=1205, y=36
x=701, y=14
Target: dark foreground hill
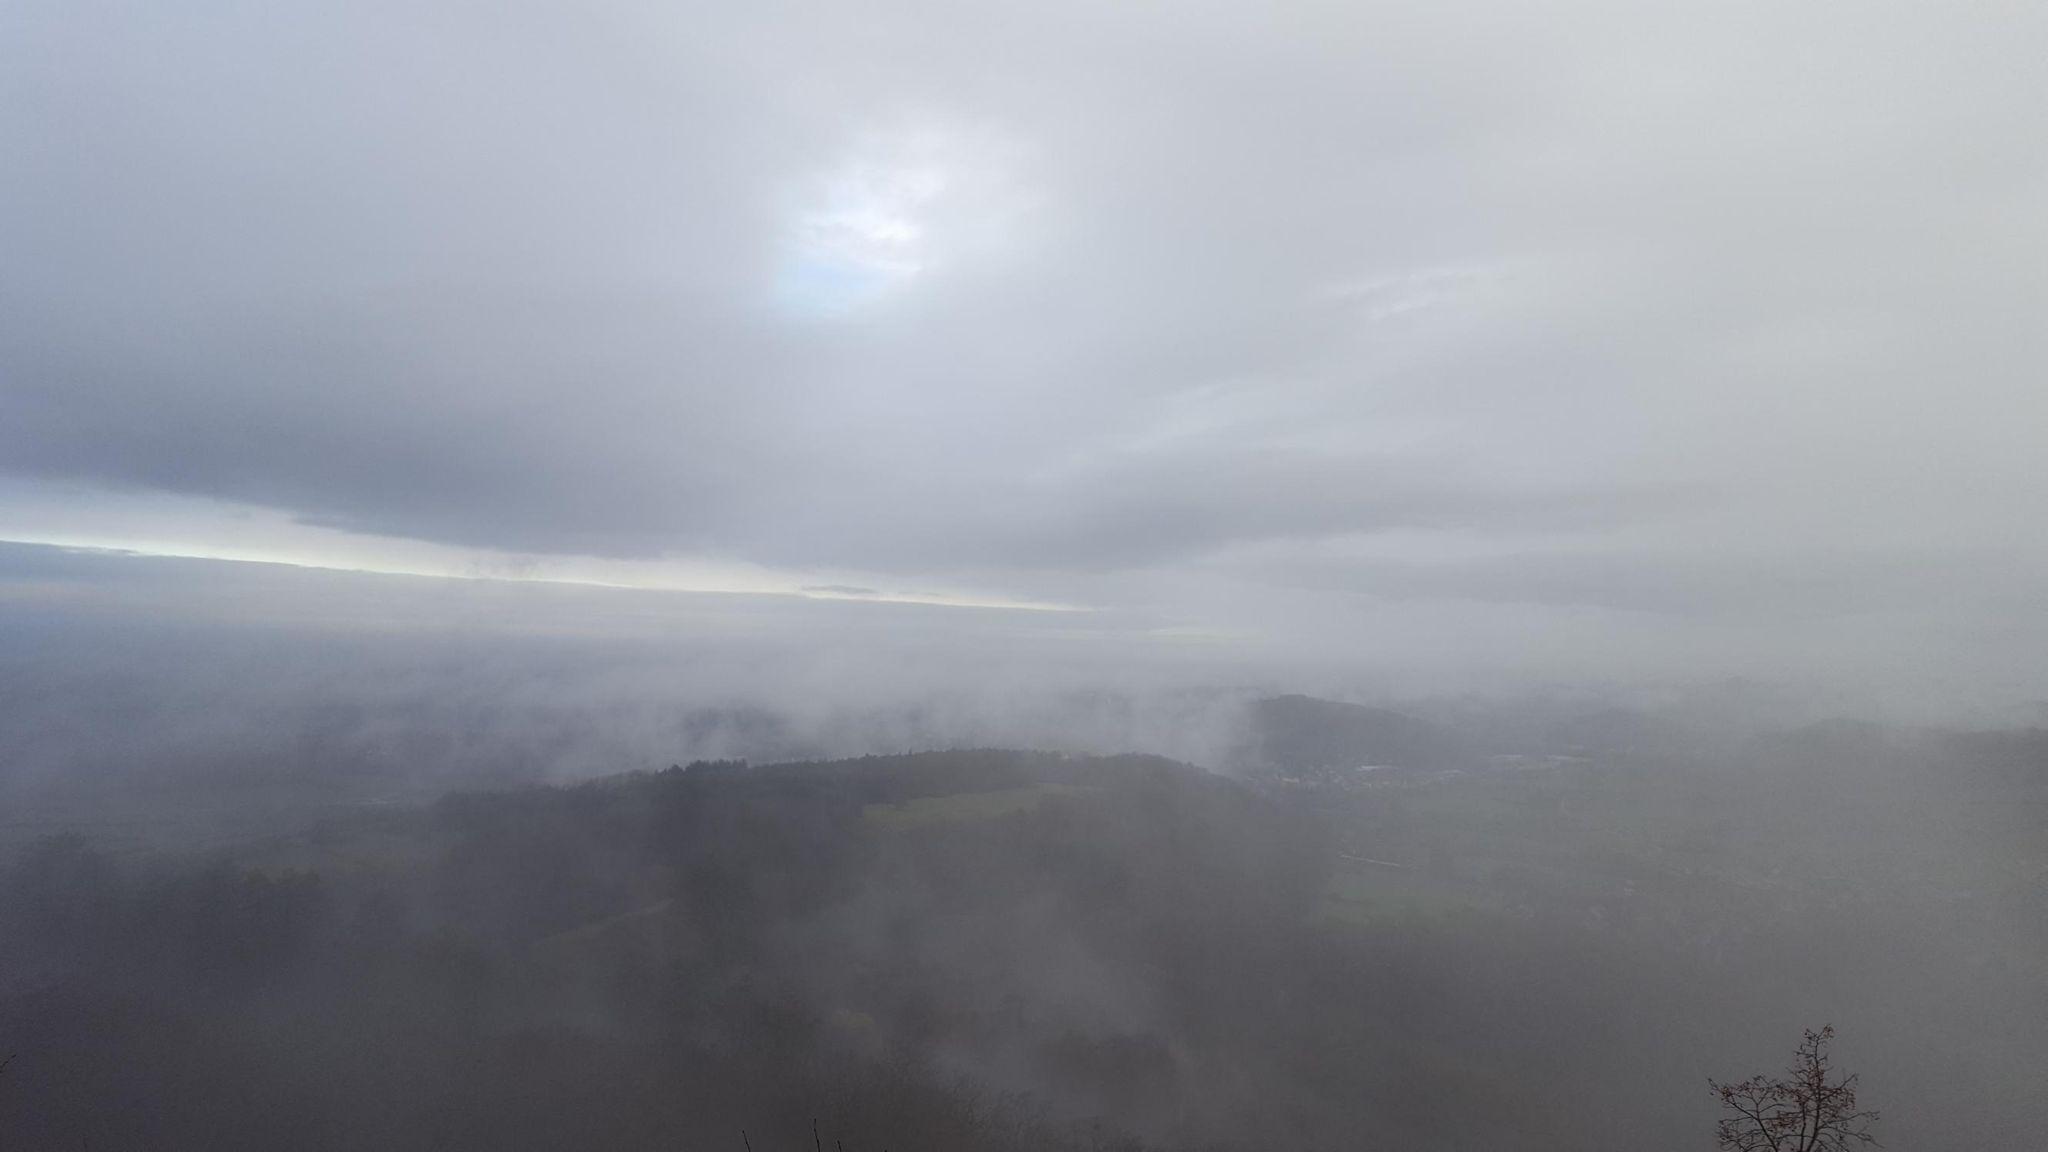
x=959, y=951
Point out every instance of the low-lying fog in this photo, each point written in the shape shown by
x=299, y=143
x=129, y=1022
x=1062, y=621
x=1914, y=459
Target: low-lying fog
x=164, y=673
x=462, y=864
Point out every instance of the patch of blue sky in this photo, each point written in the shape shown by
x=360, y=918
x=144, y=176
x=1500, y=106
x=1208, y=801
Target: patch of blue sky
x=819, y=286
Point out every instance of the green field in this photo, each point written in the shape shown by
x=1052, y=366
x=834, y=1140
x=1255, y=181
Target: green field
x=962, y=807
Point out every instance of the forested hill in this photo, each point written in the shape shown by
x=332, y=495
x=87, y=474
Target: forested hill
x=941, y=951
x=957, y=951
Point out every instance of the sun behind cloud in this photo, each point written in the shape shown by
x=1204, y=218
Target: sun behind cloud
x=900, y=202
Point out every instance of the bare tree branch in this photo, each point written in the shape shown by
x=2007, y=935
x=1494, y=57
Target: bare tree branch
x=1806, y=1111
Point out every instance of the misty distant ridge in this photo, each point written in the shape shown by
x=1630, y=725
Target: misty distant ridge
x=1297, y=732
x=94, y=702
x=99, y=749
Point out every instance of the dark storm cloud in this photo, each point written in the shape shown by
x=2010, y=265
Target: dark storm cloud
x=1038, y=292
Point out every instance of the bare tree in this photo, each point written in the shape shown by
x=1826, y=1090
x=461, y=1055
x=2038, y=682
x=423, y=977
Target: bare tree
x=1805, y=1111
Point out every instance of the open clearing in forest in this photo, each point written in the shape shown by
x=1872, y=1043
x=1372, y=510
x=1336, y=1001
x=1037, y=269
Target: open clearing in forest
x=961, y=807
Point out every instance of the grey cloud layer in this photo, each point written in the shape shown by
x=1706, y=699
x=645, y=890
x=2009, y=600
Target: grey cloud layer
x=1203, y=277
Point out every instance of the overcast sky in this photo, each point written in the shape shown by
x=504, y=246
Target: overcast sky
x=1526, y=332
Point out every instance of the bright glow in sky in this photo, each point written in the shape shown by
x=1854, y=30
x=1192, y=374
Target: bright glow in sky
x=158, y=524
x=898, y=204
